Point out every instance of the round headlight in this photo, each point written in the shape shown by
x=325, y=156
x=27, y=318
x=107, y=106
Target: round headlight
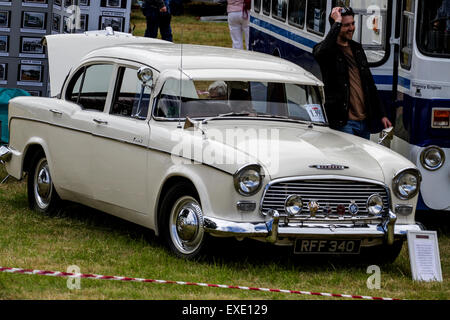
x=406, y=183
x=432, y=158
x=293, y=204
x=375, y=204
x=248, y=180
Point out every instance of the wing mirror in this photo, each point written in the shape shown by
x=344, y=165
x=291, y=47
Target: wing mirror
x=145, y=74
x=386, y=136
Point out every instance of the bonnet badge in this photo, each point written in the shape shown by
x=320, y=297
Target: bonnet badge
x=329, y=166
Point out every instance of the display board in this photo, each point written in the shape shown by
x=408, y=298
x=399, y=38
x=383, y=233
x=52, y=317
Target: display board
x=23, y=23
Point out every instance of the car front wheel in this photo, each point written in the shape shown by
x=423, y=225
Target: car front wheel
x=42, y=195
x=182, y=222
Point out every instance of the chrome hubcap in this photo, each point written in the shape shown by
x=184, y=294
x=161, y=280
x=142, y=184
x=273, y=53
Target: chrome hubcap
x=186, y=225
x=42, y=184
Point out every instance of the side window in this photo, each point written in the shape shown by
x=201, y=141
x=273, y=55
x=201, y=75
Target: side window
x=130, y=98
x=279, y=9
x=316, y=16
x=89, y=87
x=266, y=7
x=296, y=14
x=407, y=34
x=73, y=91
x=257, y=5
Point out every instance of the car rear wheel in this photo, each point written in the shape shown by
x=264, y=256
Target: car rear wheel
x=42, y=195
x=182, y=221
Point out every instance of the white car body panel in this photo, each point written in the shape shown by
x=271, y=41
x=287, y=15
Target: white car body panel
x=121, y=165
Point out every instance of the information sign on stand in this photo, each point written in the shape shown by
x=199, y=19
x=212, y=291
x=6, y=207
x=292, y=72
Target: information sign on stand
x=424, y=256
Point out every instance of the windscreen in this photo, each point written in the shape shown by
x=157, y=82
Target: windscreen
x=204, y=99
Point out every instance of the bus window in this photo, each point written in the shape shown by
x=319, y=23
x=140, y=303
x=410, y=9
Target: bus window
x=316, y=16
x=266, y=7
x=279, y=9
x=434, y=28
x=370, y=26
x=296, y=14
x=407, y=34
x=257, y=6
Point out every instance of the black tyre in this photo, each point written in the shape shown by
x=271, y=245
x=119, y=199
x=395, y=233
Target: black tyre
x=384, y=254
x=181, y=221
x=42, y=195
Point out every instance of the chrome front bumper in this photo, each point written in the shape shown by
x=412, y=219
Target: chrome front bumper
x=272, y=231
x=5, y=154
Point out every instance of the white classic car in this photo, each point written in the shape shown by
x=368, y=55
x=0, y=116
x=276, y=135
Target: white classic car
x=188, y=140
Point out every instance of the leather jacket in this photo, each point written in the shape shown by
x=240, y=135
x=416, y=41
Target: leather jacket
x=334, y=69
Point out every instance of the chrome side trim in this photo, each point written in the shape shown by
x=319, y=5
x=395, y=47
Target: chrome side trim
x=118, y=140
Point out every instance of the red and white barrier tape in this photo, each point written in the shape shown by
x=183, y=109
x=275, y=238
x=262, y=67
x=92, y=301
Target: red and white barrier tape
x=117, y=278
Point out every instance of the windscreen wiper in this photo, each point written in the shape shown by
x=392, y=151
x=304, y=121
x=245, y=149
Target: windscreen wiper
x=229, y=114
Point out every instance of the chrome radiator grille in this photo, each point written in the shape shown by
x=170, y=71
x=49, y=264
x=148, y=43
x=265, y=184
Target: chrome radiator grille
x=327, y=192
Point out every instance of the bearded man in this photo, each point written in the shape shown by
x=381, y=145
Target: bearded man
x=352, y=102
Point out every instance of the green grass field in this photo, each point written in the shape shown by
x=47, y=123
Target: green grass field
x=102, y=244
x=188, y=29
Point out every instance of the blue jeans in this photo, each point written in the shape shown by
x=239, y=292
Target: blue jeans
x=357, y=128
x=155, y=20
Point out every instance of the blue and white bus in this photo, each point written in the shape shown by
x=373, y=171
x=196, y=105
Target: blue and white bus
x=407, y=43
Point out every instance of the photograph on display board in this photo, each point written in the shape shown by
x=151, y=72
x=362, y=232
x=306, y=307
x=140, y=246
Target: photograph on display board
x=33, y=20
x=35, y=1
x=4, y=19
x=68, y=3
x=114, y=3
x=84, y=2
x=56, y=23
x=116, y=23
x=3, y=68
x=4, y=43
x=30, y=72
x=31, y=45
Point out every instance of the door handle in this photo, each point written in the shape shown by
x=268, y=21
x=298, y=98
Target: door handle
x=100, y=121
x=54, y=111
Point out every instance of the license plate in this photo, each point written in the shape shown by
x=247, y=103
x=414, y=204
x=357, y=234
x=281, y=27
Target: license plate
x=317, y=246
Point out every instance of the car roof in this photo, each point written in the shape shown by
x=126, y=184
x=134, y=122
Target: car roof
x=197, y=58
x=67, y=51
